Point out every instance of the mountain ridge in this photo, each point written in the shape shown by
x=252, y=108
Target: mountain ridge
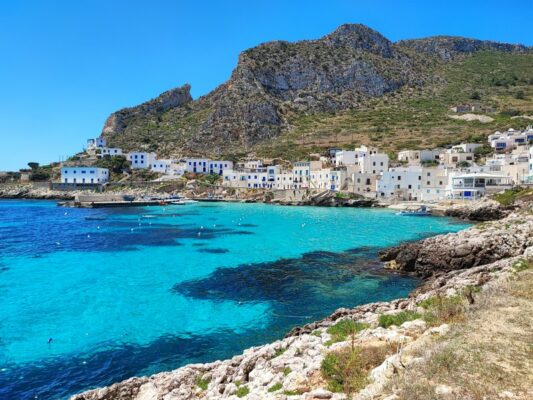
x=275, y=81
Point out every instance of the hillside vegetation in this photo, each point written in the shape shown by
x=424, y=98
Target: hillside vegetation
x=350, y=87
x=417, y=119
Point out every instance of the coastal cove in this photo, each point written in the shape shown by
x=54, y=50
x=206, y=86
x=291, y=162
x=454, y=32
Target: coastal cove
x=130, y=292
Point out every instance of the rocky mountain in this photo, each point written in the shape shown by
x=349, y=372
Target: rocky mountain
x=276, y=82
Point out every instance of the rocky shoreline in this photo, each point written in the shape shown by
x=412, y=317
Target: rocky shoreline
x=476, y=257
x=28, y=192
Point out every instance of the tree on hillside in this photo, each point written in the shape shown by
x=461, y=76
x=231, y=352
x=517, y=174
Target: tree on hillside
x=33, y=165
x=116, y=164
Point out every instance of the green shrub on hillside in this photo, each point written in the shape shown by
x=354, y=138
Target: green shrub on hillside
x=342, y=329
x=386, y=320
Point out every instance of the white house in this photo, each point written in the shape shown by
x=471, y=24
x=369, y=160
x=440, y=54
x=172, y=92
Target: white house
x=197, y=165
x=375, y=163
x=161, y=166
x=284, y=180
x=471, y=186
x=176, y=168
x=235, y=179
x=415, y=157
x=466, y=147
x=302, y=173
x=252, y=164
x=141, y=160
x=510, y=139
x=345, y=157
x=363, y=184
x=455, y=155
x=401, y=183
x=320, y=179
x=218, y=167
x=529, y=178
x=98, y=142
x=84, y=175
x=433, y=184
x=110, y=151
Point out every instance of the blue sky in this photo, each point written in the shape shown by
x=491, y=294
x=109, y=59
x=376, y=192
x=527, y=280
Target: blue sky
x=66, y=65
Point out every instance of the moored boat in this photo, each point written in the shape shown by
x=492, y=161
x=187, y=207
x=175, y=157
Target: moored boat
x=420, y=212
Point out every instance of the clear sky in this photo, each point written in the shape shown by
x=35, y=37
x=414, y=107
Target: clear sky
x=65, y=65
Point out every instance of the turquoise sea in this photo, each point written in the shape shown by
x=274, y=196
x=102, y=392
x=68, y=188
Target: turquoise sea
x=93, y=296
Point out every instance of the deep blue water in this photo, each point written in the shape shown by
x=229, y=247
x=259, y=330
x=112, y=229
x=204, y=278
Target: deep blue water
x=141, y=290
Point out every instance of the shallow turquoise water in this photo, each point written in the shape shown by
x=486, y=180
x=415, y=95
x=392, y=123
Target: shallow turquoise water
x=137, y=291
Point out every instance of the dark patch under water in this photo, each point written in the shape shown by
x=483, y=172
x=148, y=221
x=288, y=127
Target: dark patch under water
x=214, y=251
x=291, y=286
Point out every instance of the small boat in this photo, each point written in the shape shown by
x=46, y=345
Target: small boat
x=421, y=212
x=182, y=202
x=94, y=218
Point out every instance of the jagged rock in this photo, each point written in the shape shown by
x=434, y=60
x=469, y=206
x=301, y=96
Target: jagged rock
x=482, y=210
x=479, y=245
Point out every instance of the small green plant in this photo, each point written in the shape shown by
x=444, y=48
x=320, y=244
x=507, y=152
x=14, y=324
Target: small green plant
x=386, y=320
x=342, y=329
x=521, y=265
x=287, y=371
x=508, y=197
x=443, y=308
x=275, y=388
x=291, y=392
x=316, y=333
x=279, y=351
x=202, y=383
x=242, y=391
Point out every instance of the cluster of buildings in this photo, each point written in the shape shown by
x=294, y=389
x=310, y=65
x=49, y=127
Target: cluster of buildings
x=139, y=160
x=511, y=139
x=422, y=175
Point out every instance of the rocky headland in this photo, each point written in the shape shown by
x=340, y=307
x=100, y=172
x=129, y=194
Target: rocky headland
x=460, y=269
x=30, y=192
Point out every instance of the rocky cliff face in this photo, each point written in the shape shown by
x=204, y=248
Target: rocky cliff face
x=275, y=80
x=483, y=244
x=118, y=121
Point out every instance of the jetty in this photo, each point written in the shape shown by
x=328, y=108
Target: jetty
x=113, y=200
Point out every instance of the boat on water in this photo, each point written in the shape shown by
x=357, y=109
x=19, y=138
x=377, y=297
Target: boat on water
x=95, y=218
x=182, y=202
x=420, y=212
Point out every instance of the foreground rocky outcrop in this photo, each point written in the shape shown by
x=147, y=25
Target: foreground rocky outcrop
x=482, y=244
x=481, y=210
x=30, y=192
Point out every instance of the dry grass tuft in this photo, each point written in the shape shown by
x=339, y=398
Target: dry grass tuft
x=488, y=352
